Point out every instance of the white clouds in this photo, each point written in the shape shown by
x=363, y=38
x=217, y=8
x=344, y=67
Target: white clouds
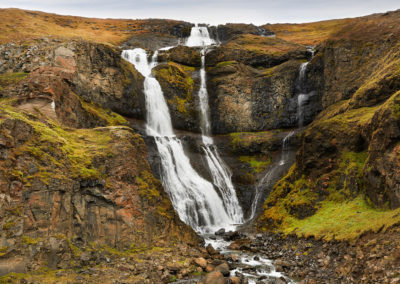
x=212, y=11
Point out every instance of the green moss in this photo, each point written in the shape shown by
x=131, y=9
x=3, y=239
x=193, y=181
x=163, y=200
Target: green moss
x=181, y=105
x=339, y=213
x=128, y=72
x=177, y=77
x=11, y=78
x=186, y=68
x=3, y=249
x=30, y=241
x=226, y=63
x=74, y=249
x=246, y=139
x=343, y=220
x=343, y=121
x=110, y=117
x=257, y=163
x=394, y=102
x=148, y=186
x=17, y=173
x=74, y=149
x=132, y=251
x=8, y=225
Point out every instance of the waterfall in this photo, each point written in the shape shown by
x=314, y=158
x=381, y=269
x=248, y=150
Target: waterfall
x=194, y=198
x=199, y=36
x=275, y=170
x=220, y=172
x=285, y=148
x=301, y=99
x=302, y=73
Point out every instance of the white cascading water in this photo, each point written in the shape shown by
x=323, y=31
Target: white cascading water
x=301, y=98
x=199, y=36
x=285, y=148
x=220, y=172
x=300, y=109
x=194, y=198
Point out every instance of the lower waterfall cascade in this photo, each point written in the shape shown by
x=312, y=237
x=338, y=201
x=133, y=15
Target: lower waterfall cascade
x=219, y=171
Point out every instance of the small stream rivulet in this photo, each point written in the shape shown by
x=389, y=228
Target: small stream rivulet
x=206, y=206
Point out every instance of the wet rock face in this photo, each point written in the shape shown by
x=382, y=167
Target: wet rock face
x=230, y=98
x=355, y=61
x=244, y=99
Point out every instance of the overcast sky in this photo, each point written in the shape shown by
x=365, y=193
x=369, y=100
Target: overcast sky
x=212, y=11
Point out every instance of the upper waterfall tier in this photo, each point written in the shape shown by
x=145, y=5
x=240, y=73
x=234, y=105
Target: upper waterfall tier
x=199, y=36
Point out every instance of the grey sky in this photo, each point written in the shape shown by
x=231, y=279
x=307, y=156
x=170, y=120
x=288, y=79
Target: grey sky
x=212, y=11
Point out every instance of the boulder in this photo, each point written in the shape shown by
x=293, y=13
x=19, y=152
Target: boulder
x=234, y=280
x=223, y=268
x=215, y=277
x=201, y=262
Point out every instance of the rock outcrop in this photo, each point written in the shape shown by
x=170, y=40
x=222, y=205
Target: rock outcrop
x=73, y=180
x=349, y=154
x=226, y=32
x=180, y=91
x=95, y=72
x=245, y=99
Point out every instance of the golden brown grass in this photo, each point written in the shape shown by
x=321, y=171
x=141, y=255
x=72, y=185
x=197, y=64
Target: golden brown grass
x=308, y=33
x=369, y=28
x=21, y=25
x=273, y=46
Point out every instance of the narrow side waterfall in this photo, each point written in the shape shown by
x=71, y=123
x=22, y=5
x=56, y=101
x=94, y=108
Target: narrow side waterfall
x=275, y=170
x=220, y=172
x=194, y=198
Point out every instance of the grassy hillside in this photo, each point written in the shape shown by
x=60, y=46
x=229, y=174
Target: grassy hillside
x=362, y=28
x=21, y=25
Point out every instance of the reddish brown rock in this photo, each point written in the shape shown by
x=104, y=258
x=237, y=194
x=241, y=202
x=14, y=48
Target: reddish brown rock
x=215, y=277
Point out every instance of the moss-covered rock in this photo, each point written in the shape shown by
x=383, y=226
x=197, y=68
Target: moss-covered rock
x=78, y=182
x=185, y=55
x=181, y=94
x=341, y=173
